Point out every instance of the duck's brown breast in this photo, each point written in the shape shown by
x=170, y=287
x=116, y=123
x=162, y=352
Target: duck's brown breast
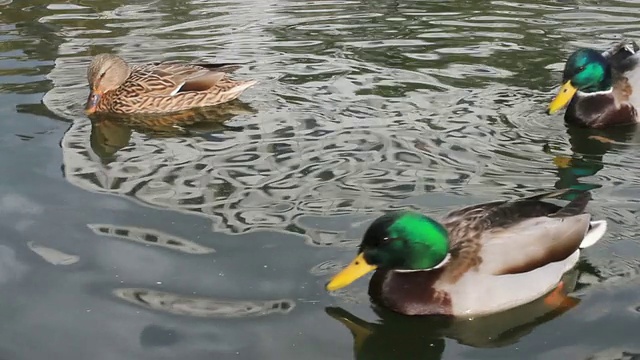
x=599, y=111
x=410, y=293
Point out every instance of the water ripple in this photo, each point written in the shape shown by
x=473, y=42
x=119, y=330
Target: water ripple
x=339, y=131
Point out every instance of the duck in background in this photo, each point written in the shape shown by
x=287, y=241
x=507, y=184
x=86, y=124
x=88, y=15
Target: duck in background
x=160, y=87
x=601, y=88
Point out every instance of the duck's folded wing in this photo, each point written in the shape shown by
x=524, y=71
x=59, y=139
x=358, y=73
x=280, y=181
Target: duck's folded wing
x=171, y=78
x=531, y=244
x=503, y=213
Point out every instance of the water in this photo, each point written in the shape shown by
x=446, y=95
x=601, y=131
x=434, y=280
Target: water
x=146, y=240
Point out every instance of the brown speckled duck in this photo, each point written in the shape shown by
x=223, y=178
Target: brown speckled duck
x=478, y=260
x=159, y=87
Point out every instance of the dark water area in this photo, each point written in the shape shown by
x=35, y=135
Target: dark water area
x=213, y=238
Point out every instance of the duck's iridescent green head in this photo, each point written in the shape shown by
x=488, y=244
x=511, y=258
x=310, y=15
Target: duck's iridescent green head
x=588, y=71
x=398, y=241
x=585, y=70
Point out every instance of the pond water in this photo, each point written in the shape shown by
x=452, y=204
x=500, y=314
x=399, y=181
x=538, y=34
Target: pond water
x=147, y=240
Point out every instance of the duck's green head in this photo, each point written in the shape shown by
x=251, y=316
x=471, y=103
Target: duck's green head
x=397, y=241
x=586, y=70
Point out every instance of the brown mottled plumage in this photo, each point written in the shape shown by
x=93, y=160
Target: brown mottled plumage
x=488, y=257
x=160, y=87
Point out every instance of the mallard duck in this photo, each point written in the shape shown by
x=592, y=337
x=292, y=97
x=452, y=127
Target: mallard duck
x=159, y=87
x=599, y=87
x=477, y=260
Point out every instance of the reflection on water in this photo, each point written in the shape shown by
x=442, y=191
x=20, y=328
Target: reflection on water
x=110, y=133
x=150, y=237
x=401, y=337
x=53, y=256
x=202, y=306
x=156, y=335
x=588, y=147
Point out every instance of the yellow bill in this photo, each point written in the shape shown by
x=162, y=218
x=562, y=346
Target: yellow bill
x=355, y=270
x=565, y=94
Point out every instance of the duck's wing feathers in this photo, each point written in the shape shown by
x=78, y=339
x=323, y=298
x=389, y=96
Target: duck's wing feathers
x=624, y=58
x=171, y=78
x=501, y=213
x=532, y=244
x=524, y=243
x=517, y=236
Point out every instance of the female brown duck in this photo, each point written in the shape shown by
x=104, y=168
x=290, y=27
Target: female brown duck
x=159, y=87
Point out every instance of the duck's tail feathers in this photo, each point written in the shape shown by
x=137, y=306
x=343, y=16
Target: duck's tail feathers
x=239, y=88
x=596, y=231
x=624, y=48
x=576, y=206
x=623, y=57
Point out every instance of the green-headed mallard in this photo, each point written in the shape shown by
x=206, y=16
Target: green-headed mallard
x=599, y=87
x=159, y=87
x=478, y=260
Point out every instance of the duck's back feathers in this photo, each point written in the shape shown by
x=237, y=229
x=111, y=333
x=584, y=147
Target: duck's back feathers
x=502, y=214
x=218, y=67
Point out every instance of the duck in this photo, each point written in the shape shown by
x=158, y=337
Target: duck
x=158, y=87
x=599, y=87
x=477, y=260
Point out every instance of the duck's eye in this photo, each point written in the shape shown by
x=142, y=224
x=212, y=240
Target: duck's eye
x=385, y=240
x=581, y=68
x=102, y=74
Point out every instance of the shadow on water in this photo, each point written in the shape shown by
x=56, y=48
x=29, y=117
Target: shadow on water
x=397, y=336
x=111, y=132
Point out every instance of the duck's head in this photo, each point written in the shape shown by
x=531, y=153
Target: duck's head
x=587, y=71
x=105, y=73
x=396, y=241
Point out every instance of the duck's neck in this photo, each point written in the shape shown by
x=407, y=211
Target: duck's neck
x=437, y=266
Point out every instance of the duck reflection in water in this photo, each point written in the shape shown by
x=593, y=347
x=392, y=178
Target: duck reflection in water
x=588, y=147
x=110, y=132
x=397, y=336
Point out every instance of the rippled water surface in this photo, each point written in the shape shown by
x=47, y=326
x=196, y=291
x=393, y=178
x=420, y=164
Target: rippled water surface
x=212, y=237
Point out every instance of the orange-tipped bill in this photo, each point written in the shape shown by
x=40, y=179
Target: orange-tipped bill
x=355, y=270
x=92, y=102
x=565, y=94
